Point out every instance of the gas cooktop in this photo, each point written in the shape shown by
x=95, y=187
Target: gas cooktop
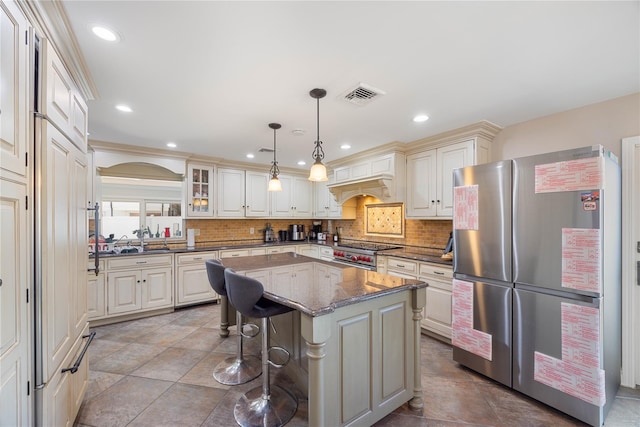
x=368, y=246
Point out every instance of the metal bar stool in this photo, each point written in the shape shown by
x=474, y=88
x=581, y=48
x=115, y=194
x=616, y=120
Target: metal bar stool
x=238, y=369
x=261, y=406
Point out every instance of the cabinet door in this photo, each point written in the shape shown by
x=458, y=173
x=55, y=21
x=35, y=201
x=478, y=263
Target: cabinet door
x=156, y=288
x=96, y=307
x=62, y=103
x=256, y=194
x=193, y=285
x=63, y=253
x=321, y=206
x=281, y=201
x=124, y=291
x=437, y=311
x=199, y=190
x=14, y=60
x=421, y=185
x=15, y=313
x=230, y=194
x=302, y=197
x=450, y=158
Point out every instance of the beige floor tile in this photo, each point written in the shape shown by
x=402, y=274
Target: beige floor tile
x=181, y=405
x=170, y=365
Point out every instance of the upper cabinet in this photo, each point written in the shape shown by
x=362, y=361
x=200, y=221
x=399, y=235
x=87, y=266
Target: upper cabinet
x=14, y=61
x=326, y=205
x=199, y=191
x=430, y=179
x=242, y=193
x=295, y=200
x=63, y=103
x=430, y=166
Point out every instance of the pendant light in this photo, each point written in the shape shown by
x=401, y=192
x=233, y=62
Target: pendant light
x=318, y=170
x=274, y=182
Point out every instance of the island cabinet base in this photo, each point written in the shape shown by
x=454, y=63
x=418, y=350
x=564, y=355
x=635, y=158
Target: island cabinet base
x=359, y=363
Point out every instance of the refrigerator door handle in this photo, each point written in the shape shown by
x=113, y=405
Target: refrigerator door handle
x=638, y=273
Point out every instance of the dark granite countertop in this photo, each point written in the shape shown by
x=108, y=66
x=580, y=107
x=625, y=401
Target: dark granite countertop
x=316, y=295
x=418, y=254
x=213, y=246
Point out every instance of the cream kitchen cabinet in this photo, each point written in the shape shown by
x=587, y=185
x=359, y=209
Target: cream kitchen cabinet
x=199, y=191
x=430, y=177
x=436, y=316
x=14, y=63
x=16, y=353
x=63, y=104
x=233, y=253
x=139, y=283
x=96, y=293
x=280, y=249
x=242, y=193
x=310, y=250
x=295, y=200
x=325, y=253
x=192, y=282
x=326, y=205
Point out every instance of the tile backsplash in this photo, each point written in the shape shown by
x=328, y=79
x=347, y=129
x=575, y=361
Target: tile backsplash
x=423, y=233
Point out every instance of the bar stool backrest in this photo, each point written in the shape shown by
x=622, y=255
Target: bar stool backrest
x=243, y=293
x=215, y=272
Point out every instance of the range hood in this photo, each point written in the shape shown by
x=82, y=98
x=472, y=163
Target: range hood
x=381, y=186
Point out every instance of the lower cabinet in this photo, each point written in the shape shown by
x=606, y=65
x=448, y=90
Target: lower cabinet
x=139, y=283
x=96, y=293
x=192, y=282
x=436, y=316
x=308, y=250
x=437, y=311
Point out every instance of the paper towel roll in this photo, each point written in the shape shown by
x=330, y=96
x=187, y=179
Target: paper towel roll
x=191, y=238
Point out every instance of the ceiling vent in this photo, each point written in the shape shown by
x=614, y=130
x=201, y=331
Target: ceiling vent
x=265, y=150
x=362, y=94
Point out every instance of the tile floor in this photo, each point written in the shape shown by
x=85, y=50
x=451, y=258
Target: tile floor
x=157, y=372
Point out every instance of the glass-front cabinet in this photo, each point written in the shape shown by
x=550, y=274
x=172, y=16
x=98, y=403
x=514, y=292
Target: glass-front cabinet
x=200, y=191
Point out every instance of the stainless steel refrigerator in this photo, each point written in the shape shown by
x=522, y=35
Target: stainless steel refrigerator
x=561, y=313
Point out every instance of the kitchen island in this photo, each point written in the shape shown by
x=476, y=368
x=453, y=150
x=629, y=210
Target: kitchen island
x=354, y=336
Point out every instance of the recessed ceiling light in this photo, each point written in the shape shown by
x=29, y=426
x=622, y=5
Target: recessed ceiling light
x=298, y=132
x=421, y=118
x=171, y=144
x=302, y=163
x=124, y=108
x=345, y=146
x=250, y=156
x=105, y=33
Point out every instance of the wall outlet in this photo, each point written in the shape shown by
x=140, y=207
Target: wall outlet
x=252, y=230
x=196, y=231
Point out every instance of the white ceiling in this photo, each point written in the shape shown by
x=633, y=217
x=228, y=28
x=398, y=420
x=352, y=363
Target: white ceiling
x=211, y=75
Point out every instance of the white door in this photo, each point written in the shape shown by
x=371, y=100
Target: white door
x=14, y=316
x=421, y=184
x=631, y=262
x=123, y=291
x=282, y=201
x=256, y=194
x=450, y=158
x=230, y=194
x=156, y=288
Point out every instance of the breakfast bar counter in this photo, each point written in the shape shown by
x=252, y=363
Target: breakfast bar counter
x=354, y=336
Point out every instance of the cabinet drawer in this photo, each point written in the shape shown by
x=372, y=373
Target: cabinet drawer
x=436, y=271
x=326, y=251
x=196, y=258
x=234, y=253
x=402, y=265
x=92, y=264
x=136, y=261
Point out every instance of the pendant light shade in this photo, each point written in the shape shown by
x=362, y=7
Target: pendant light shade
x=318, y=170
x=274, y=182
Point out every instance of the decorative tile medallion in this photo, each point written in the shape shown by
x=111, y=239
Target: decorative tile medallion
x=384, y=219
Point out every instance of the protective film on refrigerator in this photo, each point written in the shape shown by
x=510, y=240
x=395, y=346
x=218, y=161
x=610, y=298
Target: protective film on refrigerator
x=569, y=175
x=581, y=268
x=578, y=373
x=463, y=335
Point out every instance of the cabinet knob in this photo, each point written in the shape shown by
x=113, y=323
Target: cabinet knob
x=138, y=281
x=438, y=201
x=433, y=201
